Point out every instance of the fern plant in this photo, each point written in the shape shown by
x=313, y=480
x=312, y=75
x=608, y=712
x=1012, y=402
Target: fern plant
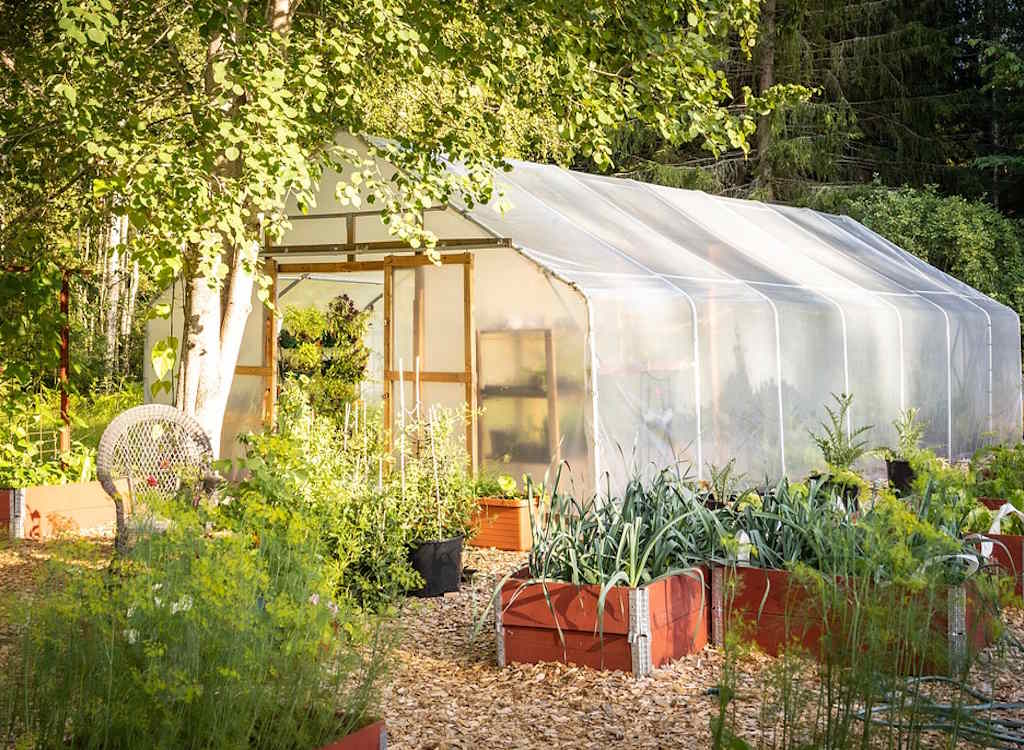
x=909, y=433
x=840, y=445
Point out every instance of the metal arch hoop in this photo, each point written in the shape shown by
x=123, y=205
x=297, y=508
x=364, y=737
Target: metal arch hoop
x=150, y=441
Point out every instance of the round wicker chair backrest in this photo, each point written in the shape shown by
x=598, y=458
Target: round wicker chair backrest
x=152, y=448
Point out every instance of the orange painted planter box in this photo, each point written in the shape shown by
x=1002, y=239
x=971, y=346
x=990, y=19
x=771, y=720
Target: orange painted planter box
x=776, y=612
x=1008, y=554
x=644, y=627
x=47, y=511
x=992, y=503
x=503, y=523
x=371, y=737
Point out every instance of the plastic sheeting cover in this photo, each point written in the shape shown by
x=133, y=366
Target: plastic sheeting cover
x=720, y=328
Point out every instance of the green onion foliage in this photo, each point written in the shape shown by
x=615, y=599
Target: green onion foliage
x=656, y=528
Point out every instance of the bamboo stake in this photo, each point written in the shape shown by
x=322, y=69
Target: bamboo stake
x=344, y=439
x=401, y=421
x=437, y=482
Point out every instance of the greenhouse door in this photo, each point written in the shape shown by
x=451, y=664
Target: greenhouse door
x=429, y=339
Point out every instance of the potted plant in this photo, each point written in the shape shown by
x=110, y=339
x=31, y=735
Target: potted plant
x=327, y=348
x=841, y=447
x=614, y=582
x=432, y=472
x=503, y=518
x=898, y=468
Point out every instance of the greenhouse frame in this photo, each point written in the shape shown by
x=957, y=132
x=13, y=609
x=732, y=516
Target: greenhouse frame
x=617, y=325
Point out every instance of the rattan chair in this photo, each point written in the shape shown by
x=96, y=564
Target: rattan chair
x=153, y=448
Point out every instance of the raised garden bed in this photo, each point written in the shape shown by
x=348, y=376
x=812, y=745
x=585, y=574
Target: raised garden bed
x=1007, y=549
x=47, y=511
x=643, y=628
x=776, y=611
x=371, y=737
x=503, y=523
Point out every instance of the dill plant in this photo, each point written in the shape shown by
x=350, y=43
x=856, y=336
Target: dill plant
x=227, y=639
x=874, y=585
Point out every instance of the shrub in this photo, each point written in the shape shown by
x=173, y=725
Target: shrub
x=341, y=483
x=226, y=639
x=25, y=459
x=432, y=474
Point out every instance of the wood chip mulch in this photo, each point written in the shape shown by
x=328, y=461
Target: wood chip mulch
x=446, y=691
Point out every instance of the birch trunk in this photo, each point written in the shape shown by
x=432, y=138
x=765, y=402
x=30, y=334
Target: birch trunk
x=216, y=318
x=113, y=280
x=766, y=79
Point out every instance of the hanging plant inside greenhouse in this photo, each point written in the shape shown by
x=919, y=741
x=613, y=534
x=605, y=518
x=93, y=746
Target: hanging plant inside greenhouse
x=327, y=348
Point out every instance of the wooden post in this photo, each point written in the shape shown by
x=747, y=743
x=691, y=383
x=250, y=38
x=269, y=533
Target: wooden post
x=470, y=347
x=270, y=346
x=65, y=362
x=388, y=366
x=554, y=431
x=418, y=315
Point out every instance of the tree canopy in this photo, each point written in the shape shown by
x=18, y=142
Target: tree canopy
x=197, y=120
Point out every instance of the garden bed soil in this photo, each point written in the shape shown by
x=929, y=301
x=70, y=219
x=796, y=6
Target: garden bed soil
x=641, y=629
x=775, y=612
x=503, y=523
x=371, y=737
x=49, y=511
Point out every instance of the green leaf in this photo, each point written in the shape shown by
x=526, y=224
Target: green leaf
x=163, y=356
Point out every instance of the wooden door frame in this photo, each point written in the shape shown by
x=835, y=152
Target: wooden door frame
x=388, y=265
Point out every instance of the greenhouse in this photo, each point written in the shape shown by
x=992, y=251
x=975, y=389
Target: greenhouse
x=615, y=324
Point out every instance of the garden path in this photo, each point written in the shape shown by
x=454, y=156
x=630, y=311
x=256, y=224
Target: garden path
x=447, y=693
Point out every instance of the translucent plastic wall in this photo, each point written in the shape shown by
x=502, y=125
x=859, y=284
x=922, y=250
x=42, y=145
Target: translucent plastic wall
x=531, y=370
x=633, y=326
x=719, y=328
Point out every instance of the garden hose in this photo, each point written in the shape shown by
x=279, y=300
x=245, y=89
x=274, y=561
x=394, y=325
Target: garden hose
x=960, y=720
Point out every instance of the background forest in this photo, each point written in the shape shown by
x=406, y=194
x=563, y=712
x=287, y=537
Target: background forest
x=916, y=128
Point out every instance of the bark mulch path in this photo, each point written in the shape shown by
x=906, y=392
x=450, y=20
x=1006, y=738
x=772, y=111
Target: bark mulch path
x=446, y=691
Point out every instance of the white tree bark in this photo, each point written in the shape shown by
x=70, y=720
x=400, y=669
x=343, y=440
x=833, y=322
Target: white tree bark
x=216, y=320
x=114, y=281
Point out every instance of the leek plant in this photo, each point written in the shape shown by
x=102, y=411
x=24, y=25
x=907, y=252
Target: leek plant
x=656, y=528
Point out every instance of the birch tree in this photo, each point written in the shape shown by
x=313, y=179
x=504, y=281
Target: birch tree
x=199, y=120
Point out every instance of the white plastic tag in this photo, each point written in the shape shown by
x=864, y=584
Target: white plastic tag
x=997, y=523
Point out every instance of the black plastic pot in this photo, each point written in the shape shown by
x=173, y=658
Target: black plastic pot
x=849, y=493
x=440, y=564
x=900, y=475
